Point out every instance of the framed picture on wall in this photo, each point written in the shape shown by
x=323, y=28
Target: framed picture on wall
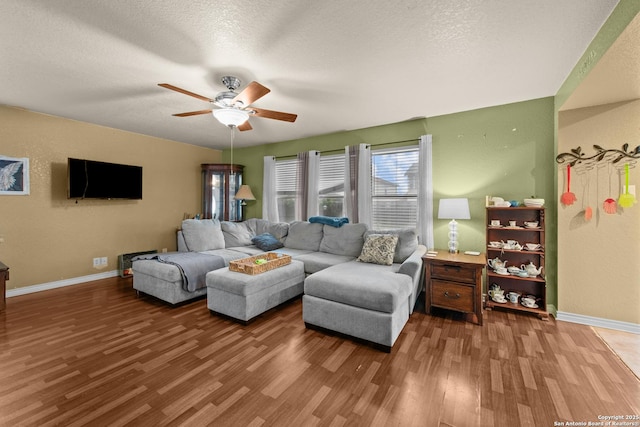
x=14, y=176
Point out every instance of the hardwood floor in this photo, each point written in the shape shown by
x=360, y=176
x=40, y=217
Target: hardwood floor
x=95, y=354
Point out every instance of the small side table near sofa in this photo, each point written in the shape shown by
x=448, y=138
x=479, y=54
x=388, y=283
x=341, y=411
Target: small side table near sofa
x=454, y=282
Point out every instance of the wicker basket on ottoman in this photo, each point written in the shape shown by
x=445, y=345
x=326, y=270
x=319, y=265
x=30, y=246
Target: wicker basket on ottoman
x=244, y=296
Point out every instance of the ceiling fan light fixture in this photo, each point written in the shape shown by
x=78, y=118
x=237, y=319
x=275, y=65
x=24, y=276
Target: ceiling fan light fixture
x=231, y=117
x=225, y=100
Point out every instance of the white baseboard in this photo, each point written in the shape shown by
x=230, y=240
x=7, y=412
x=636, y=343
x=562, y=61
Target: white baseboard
x=599, y=322
x=60, y=283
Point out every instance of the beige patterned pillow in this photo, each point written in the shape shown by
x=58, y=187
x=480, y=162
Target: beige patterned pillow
x=379, y=249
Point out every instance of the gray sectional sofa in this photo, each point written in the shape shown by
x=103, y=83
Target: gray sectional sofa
x=358, y=282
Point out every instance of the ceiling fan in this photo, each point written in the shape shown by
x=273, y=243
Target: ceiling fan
x=235, y=107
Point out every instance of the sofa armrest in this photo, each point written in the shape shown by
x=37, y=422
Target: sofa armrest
x=182, y=245
x=412, y=266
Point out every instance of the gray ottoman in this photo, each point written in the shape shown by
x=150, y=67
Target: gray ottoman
x=243, y=296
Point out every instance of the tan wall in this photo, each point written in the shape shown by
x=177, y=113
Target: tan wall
x=49, y=238
x=598, y=268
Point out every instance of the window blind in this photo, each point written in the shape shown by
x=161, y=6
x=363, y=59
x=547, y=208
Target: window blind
x=331, y=186
x=394, y=185
x=286, y=189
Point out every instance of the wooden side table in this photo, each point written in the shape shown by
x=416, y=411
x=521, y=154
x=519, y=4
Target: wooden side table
x=4, y=276
x=454, y=282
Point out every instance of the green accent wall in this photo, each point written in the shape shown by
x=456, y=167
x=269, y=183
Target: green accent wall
x=504, y=151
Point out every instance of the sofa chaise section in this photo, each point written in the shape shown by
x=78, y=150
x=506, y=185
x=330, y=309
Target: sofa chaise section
x=366, y=300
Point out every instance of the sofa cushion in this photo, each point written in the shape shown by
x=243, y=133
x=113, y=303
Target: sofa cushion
x=379, y=249
x=304, y=235
x=267, y=242
x=407, y=242
x=202, y=234
x=247, y=250
x=293, y=253
x=252, y=225
x=369, y=286
x=279, y=230
x=346, y=240
x=227, y=254
x=236, y=234
x=316, y=261
x=258, y=226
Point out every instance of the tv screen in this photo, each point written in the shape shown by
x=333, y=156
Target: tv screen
x=89, y=179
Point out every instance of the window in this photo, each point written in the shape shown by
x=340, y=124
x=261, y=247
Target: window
x=331, y=186
x=286, y=189
x=394, y=188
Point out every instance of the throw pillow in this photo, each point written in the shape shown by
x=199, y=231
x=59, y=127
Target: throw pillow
x=267, y=242
x=202, y=234
x=379, y=249
x=407, y=242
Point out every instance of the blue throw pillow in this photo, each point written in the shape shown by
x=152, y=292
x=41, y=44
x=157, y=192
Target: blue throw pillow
x=266, y=242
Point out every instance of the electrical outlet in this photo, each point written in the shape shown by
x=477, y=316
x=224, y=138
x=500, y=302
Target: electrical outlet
x=164, y=250
x=103, y=260
x=96, y=262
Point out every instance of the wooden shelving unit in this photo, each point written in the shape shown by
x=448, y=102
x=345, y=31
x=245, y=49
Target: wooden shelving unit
x=524, y=285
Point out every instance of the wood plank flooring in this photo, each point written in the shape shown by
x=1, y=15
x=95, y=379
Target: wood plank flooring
x=95, y=354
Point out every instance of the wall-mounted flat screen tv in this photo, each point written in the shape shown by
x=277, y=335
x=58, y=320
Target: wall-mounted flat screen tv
x=90, y=179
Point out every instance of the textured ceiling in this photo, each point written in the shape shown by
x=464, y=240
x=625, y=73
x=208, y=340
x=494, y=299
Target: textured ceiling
x=339, y=65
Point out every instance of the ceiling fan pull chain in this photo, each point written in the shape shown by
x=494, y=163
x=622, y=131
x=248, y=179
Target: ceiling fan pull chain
x=231, y=129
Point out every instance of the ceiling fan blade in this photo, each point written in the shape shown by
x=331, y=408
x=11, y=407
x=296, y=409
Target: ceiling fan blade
x=192, y=113
x=245, y=126
x=251, y=93
x=277, y=115
x=186, y=92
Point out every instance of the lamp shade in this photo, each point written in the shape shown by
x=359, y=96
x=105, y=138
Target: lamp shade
x=244, y=193
x=454, y=209
x=231, y=116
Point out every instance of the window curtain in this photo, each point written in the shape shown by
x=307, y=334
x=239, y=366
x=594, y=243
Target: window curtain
x=357, y=173
x=313, y=178
x=302, y=186
x=269, y=190
x=425, y=192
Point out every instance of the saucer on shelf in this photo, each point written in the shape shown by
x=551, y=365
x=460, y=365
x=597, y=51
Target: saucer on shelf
x=499, y=301
x=506, y=273
x=529, y=306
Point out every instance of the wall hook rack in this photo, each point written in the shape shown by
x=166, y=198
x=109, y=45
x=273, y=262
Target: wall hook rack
x=614, y=155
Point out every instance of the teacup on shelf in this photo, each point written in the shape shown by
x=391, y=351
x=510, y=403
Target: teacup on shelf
x=532, y=246
x=515, y=246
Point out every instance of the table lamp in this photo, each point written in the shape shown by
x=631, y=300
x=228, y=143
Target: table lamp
x=244, y=193
x=453, y=209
